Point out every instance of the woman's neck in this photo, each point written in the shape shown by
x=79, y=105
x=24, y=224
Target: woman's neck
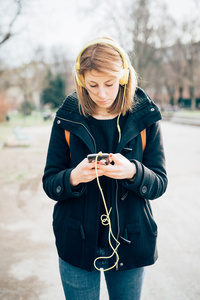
x=101, y=116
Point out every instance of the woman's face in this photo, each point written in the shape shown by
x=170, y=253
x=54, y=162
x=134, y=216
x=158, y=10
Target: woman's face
x=102, y=88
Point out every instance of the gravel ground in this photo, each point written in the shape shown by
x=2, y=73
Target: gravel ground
x=28, y=258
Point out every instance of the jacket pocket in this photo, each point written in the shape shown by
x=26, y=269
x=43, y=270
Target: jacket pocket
x=133, y=228
x=149, y=219
x=77, y=227
x=131, y=233
x=70, y=236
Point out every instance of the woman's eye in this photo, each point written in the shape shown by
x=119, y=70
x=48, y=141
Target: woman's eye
x=94, y=86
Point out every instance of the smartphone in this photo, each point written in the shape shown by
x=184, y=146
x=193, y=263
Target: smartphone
x=103, y=158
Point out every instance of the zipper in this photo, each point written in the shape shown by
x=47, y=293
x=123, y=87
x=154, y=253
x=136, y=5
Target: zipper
x=78, y=123
x=117, y=213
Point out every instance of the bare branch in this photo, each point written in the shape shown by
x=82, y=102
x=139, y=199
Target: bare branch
x=10, y=26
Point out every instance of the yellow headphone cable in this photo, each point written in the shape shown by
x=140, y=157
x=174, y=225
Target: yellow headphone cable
x=105, y=220
x=122, y=106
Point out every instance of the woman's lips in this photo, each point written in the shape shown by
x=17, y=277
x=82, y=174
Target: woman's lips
x=104, y=101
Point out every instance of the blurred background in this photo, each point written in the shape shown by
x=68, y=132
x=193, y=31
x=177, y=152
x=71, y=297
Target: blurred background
x=39, y=42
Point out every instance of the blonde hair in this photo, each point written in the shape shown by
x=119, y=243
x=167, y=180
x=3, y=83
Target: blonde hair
x=104, y=58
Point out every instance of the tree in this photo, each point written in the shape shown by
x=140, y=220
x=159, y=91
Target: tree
x=9, y=13
x=150, y=27
x=54, y=93
x=6, y=30
x=173, y=70
x=4, y=107
x=192, y=58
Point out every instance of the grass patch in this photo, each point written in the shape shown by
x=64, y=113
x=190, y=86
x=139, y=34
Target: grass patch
x=5, y=131
x=35, y=119
x=188, y=113
x=17, y=119
x=13, y=176
x=182, y=113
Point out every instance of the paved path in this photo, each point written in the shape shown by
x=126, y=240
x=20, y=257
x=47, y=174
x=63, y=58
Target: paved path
x=28, y=259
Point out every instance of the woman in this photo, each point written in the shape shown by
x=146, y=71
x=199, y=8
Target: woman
x=102, y=219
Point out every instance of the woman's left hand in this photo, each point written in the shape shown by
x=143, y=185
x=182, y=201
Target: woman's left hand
x=121, y=169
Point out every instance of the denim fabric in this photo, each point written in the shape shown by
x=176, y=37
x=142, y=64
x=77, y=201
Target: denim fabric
x=125, y=285
x=80, y=284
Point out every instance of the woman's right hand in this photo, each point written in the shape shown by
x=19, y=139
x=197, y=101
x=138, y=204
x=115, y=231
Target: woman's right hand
x=84, y=172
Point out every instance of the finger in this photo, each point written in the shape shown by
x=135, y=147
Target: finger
x=91, y=165
x=115, y=158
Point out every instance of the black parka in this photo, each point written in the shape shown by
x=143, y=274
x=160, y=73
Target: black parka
x=76, y=213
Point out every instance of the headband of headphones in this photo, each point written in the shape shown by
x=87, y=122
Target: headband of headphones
x=123, y=80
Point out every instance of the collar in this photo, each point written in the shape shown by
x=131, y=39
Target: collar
x=144, y=113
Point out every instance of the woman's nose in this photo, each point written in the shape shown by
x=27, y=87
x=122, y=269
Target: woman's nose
x=101, y=92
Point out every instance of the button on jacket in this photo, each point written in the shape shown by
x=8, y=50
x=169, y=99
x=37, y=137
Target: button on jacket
x=77, y=209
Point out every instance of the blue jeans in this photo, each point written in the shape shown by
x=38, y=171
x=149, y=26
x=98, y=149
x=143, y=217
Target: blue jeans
x=80, y=284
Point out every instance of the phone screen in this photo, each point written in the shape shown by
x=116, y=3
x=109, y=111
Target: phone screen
x=103, y=158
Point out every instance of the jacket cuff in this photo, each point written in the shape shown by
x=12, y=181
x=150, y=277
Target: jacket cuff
x=63, y=189
x=141, y=184
x=73, y=191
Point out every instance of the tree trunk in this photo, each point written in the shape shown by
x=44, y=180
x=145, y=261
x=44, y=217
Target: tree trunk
x=192, y=97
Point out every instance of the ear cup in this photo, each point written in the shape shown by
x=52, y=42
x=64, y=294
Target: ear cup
x=124, y=79
x=80, y=80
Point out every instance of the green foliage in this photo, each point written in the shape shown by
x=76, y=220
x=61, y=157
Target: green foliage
x=54, y=92
x=27, y=107
x=19, y=119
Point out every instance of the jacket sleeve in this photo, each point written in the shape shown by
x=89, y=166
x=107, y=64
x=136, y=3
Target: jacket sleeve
x=151, y=180
x=56, y=178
